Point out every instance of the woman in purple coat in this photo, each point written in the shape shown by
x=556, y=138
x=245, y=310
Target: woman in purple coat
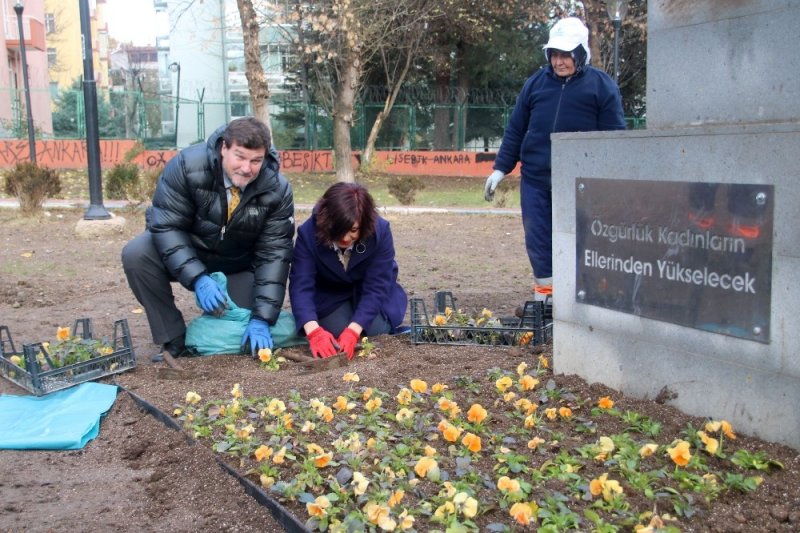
x=343, y=280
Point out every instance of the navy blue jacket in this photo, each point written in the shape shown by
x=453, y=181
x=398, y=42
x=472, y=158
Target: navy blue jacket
x=318, y=284
x=587, y=101
x=188, y=223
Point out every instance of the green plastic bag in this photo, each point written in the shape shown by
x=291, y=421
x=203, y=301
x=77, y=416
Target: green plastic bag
x=211, y=335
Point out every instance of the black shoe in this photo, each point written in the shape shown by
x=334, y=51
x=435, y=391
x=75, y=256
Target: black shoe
x=175, y=351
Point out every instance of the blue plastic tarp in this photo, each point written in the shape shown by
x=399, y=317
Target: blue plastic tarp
x=63, y=420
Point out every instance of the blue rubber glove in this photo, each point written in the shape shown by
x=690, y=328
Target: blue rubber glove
x=210, y=295
x=258, y=333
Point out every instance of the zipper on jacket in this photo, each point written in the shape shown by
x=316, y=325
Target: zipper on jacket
x=222, y=233
x=558, y=106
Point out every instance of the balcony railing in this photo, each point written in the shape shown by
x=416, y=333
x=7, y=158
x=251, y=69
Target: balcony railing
x=33, y=30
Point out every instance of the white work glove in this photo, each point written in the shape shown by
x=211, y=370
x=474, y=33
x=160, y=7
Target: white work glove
x=492, y=182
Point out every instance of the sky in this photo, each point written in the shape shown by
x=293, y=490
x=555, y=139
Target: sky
x=132, y=21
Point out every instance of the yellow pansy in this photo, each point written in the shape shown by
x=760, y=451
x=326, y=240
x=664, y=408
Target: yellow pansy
x=322, y=460
x=404, y=414
x=426, y=466
x=279, y=457
x=264, y=355
x=472, y=442
x=236, y=391
x=439, y=320
x=367, y=393
x=375, y=513
x=535, y=442
x=606, y=446
x=712, y=444
x=528, y=382
x=503, y=383
x=438, y=388
x=404, y=396
x=551, y=413
x=192, y=398
x=351, y=377
x=522, y=512
x=262, y=452
x=521, y=368
x=466, y=504
x=508, y=485
x=565, y=412
x=476, y=413
x=647, y=450
x=605, y=402
x=318, y=508
x=275, y=407
x=680, y=453
x=543, y=362
x=342, y=404
x=62, y=334
x=444, y=510
x=396, y=497
x=359, y=484
x=417, y=385
x=373, y=404
x=406, y=520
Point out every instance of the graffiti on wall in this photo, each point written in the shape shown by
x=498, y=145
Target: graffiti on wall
x=66, y=153
x=72, y=154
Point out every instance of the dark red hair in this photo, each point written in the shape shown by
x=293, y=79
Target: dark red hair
x=340, y=208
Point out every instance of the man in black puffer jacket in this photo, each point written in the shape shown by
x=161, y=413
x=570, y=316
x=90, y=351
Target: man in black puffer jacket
x=219, y=207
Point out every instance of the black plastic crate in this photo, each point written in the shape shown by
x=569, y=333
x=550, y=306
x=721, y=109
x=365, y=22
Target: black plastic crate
x=37, y=379
x=533, y=325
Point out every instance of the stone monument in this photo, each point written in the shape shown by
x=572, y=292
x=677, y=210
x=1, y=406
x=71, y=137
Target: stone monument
x=680, y=243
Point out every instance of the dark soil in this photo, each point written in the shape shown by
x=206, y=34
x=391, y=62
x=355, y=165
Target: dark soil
x=138, y=475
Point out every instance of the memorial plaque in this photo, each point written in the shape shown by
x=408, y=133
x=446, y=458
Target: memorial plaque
x=694, y=254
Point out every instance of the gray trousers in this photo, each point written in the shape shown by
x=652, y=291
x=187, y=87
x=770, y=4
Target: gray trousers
x=151, y=284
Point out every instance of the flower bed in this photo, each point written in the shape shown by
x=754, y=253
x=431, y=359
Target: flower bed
x=472, y=453
x=73, y=358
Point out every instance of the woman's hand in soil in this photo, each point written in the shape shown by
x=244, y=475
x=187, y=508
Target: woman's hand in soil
x=347, y=341
x=322, y=343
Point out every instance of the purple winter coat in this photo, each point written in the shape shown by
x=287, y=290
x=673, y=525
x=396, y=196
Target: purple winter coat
x=318, y=284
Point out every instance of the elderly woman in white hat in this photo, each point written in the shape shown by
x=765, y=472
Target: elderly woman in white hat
x=567, y=94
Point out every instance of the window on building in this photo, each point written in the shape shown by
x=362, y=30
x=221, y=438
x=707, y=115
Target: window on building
x=54, y=90
x=49, y=23
x=52, y=58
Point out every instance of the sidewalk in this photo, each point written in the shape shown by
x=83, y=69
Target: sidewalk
x=10, y=203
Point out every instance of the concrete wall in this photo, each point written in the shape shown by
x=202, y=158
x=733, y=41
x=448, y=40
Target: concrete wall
x=722, y=61
x=753, y=385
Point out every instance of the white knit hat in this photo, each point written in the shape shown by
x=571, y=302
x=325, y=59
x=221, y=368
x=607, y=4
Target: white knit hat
x=567, y=34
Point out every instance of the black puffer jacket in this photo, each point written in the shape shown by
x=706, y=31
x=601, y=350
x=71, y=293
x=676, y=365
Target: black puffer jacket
x=187, y=221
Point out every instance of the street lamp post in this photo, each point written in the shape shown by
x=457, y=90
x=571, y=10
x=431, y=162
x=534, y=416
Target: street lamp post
x=616, y=12
x=175, y=66
x=18, y=8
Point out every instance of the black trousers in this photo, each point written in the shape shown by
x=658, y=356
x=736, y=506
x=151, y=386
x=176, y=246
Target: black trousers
x=151, y=284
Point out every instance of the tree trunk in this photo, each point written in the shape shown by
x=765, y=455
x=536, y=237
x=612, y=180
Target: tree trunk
x=394, y=90
x=343, y=121
x=441, y=113
x=256, y=80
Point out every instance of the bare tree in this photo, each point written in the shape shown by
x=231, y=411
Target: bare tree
x=339, y=39
x=254, y=70
x=396, y=55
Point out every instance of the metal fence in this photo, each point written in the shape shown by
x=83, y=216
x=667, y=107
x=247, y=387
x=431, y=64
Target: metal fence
x=295, y=125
